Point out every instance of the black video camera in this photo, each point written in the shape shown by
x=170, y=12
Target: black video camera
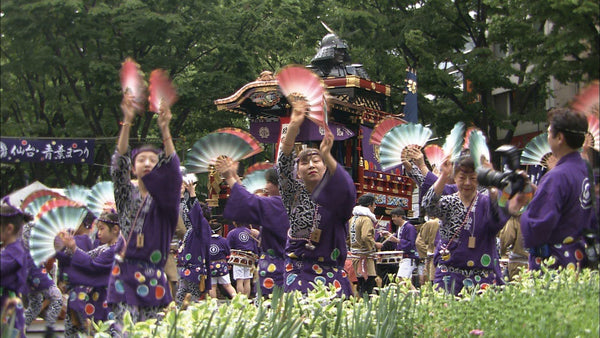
x=488, y=177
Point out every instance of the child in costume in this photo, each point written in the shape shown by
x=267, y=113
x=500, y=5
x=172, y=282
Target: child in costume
x=219, y=270
x=243, y=240
x=13, y=268
x=88, y=275
x=193, y=258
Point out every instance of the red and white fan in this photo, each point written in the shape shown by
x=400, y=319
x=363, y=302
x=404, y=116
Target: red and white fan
x=435, y=155
x=592, y=137
x=382, y=127
x=266, y=165
x=45, y=194
x=102, y=198
x=132, y=82
x=468, y=136
x=538, y=152
x=59, y=215
x=161, y=90
x=204, y=153
x=299, y=83
x=397, y=139
x=588, y=100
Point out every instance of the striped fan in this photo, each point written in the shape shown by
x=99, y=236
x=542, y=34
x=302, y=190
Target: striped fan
x=478, y=147
x=592, y=138
x=468, y=137
x=255, y=181
x=161, y=90
x=588, y=100
x=53, y=221
x=454, y=140
x=538, y=152
x=382, y=127
x=78, y=194
x=37, y=194
x=132, y=81
x=206, y=150
x=55, y=203
x=297, y=82
x=398, y=138
x=435, y=155
x=101, y=198
x=244, y=135
x=35, y=206
x=258, y=166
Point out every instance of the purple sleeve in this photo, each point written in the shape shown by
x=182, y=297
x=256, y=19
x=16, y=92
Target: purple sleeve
x=336, y=192
x=164, y=183
x=242, y=206
x=8, y=264
x=199, y=222
x=541, y=217
x=100, y=264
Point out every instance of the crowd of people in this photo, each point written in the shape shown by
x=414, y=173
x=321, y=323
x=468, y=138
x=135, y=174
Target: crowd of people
x=306, y=228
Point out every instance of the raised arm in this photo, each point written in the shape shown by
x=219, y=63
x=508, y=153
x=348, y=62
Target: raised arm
x=128, y=109
x=299, y=110
x=164, y=118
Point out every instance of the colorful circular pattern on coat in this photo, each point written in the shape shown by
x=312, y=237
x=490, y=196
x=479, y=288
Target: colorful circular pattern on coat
x=89, y=309
x=578, y=255
x=330, y=274
x=470, y=263
x=263, y=273
x=486, y=260
x=571, y=266
x=317, y=268
x=158, y=273
x=119, y=286
x=105, y=304
x=568, y=240
x=116, y=270
x=478, y=279
x=272, y=267
x=468, y=282
x=268, y=283
x=186, y=272
x=271, y=252
x=291, y=278
x=95, y=296
x=153, y=282
x=289, y=267
x=159, y=292
x=36, y=281
x=538, y=260
x=321, y=278
x=344, y=274
x=335, y=254
x=566, y=254
x=139, y=277
x=337, y=284
x=188, y=256
x=142, y=290
x=155, y=256
x=81, y=296
x=73, y=296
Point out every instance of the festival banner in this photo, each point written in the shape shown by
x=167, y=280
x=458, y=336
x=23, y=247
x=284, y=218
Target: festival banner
x=370, y=153
x=15, y=150
x=410, y=99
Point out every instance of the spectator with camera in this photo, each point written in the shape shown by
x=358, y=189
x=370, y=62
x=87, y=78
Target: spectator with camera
x=466, y=254
x=561, y=215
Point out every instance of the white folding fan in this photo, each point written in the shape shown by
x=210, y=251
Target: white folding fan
x=255, y=181
x=35, y=206
x=478, y=147
x=398, y=138
x=132, y=82
x=454, y=141
x=78, y=193
x=45, y=193
x=101, y=198
x=297, y=82
x=435, y=155
x=60, y=215
x=538, y=152
x=206, y=150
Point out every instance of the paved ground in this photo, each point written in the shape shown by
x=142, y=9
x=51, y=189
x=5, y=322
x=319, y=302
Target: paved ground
x=38, y=327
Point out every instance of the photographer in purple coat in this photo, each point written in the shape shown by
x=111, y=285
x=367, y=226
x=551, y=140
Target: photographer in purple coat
x=561, y=215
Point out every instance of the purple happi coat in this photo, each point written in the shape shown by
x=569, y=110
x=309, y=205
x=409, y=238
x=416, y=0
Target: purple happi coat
x=559, y=212
x=138, y=277
x=327, y=211
x=270, y=214
x=13, y=269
